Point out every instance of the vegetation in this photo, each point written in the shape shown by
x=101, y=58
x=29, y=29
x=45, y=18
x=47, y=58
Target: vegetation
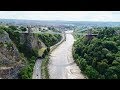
x=54, y=29
x=99, y=58
x=50, y=39
x=43, y=52
x=14, y=36
x=44, y=68
x=1, y=31
x=23, y=28
x=27, y=71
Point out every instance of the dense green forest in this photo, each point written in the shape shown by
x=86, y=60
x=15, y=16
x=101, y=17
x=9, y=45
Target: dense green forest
x=50, y=39
x=99, y=57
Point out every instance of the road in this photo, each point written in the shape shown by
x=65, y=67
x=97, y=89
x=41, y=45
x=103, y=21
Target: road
x=37, y=69
x=61, y=63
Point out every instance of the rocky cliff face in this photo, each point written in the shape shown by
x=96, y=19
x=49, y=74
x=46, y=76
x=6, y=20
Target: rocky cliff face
x=10, y=60
x=31, y=41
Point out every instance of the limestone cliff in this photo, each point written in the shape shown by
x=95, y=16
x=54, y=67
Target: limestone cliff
x=31, y=41
x=10, y=60
x=11, y=48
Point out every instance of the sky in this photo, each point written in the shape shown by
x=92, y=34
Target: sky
x=113, y=16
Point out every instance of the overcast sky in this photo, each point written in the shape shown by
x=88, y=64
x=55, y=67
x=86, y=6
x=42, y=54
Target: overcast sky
x=62, y=15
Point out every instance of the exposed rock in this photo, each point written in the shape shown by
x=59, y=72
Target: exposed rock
x=9, y=56
x=4, y=37
x=10, y=59
x=30, y=40
x=10, y=73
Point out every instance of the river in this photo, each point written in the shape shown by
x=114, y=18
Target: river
x=61, y=64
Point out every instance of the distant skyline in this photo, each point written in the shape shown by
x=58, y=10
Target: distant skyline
x=100, y=16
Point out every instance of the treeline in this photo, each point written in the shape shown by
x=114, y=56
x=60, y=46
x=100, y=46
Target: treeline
x=99, y=58
x=50, y=39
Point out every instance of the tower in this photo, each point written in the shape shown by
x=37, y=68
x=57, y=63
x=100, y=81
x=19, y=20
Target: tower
x=29, y=29
x=89, y=34
x=89, y=31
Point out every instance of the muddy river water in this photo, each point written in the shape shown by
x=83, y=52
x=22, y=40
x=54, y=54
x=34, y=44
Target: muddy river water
x=61, y=63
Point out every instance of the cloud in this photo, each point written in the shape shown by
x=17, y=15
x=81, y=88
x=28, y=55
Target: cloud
x=63, y=15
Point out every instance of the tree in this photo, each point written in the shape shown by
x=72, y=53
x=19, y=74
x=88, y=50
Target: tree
x=101, y=76
x=75, y=56
x=115, y=63
x=91, y=72
x=105, y=51
x=13, y=28
x=110, y=45
x=23, y=28
x=83, y=64
x=94, y=63
x=110, y=58
x=110, y=73
x=26, y=72
x=48, y=49
x=102, y=67
x=50, y=39
x=32, y=59
x=46, y=52
x=1, y=31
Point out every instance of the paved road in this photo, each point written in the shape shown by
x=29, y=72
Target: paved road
x=61, y=65
x=37, y=69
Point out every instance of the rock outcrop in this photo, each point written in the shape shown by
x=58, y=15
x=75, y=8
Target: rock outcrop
x=10, y=59
x=31, y=41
